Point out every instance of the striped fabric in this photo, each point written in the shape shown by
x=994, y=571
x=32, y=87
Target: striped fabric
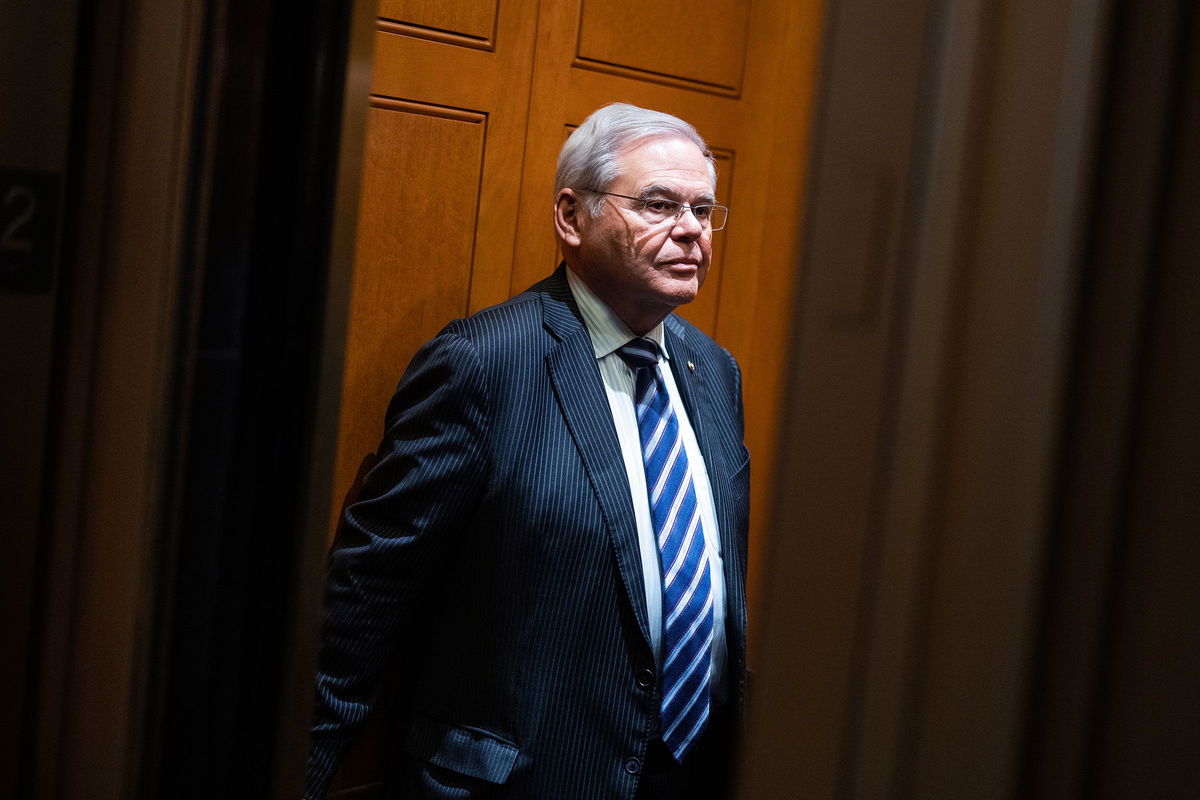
x=687, y=586
x=609, y=334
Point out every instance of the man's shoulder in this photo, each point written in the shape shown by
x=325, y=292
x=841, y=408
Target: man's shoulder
x=502, y=319
x=520, y=320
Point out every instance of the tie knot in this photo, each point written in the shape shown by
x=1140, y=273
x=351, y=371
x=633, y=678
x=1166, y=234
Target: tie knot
x=638, y=353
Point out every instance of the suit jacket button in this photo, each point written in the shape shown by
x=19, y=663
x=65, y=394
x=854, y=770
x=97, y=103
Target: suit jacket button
x=645, y=678
x=633, y=766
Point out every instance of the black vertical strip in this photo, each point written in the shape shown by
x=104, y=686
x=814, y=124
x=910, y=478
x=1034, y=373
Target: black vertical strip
x=263, y=183
x=1176, y=151
x=1131, y=176
x=83, y=86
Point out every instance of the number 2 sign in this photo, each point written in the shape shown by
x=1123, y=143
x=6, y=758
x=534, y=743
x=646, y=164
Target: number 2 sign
x=28, y=229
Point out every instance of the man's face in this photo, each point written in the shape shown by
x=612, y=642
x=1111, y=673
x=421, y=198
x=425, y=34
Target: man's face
x=643, y=270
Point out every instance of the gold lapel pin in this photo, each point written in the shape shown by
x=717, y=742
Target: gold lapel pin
x=691, y=367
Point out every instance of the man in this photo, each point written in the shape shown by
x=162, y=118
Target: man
x=549, y=556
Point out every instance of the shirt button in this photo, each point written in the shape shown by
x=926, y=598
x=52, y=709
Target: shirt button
x=633, y=766
x=645, y=678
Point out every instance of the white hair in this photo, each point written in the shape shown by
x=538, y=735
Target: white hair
x=588, y=159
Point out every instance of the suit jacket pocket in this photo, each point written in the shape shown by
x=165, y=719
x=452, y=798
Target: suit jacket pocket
x=468, y=751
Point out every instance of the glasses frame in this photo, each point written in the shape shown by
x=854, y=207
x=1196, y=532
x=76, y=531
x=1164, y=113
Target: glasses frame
x=678, y=212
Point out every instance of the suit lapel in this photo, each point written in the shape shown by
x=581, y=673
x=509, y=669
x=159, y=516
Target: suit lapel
x=579, y=390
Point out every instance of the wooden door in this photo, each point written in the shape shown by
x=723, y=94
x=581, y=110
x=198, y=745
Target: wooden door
x=441, y=181
x=471, y=102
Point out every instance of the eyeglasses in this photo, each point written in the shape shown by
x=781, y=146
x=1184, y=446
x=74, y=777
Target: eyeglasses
x=657, y=210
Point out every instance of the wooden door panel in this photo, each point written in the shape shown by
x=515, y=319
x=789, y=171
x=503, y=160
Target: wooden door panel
x=670, y=42
x=422, y=173
x=471, y=19
x=451, y=74
x=450, y=92
x=495, y=83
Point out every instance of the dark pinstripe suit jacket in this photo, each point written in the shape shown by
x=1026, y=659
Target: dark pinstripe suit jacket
x=493, y=559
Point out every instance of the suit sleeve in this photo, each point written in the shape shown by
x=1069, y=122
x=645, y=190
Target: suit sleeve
x=430, y=473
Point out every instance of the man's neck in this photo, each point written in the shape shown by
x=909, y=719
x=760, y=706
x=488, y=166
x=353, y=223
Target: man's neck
x=638, y=323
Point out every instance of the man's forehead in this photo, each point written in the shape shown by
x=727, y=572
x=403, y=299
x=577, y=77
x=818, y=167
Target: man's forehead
x=667, y=163
x=680, y=148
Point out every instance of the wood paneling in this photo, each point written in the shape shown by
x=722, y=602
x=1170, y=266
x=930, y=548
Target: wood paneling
x=470, y=19
x=416, y=242
x=446, y=129
x=496, y=83
x=670, y=43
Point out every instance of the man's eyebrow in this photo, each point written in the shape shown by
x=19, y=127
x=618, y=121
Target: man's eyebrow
x=660, y=189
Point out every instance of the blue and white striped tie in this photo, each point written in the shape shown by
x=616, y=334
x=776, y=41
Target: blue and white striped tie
x=687, y=584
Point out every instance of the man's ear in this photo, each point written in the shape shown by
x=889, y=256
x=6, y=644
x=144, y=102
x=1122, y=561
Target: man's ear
x=567, y=217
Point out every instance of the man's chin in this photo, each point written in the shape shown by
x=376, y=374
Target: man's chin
x=681, y=296
x=684, y=289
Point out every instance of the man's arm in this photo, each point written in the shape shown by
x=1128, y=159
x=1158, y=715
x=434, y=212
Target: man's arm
x=431, y=468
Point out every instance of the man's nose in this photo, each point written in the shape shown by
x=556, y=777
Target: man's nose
x=687, y=224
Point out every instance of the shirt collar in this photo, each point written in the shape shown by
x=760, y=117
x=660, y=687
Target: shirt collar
x=607, y=330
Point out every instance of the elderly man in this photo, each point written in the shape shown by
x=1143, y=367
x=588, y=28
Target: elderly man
x=549, y=557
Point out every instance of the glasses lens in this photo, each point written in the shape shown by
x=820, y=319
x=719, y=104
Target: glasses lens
x=656, y=211
x=717, y=217
x=659, y=210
